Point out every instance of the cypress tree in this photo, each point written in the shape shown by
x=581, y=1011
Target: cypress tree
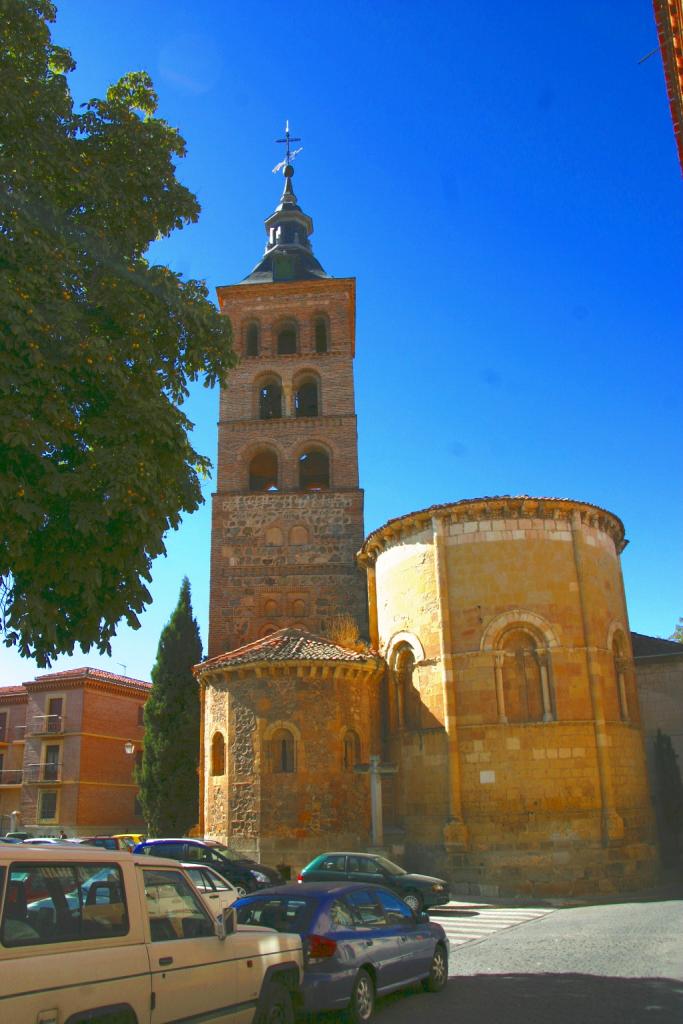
x=167, y=777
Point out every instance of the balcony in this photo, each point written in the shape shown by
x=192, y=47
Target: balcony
x=44, y=724
x=46, y=771
x=11, y=777
x=18, y=733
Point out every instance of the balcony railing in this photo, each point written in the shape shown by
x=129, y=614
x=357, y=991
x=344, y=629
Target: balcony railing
x=46, y=771
x=11, y=777
x=47, y=723
x=18, y=732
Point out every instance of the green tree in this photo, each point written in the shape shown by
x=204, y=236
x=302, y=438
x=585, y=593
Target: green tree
x=167, y=777
x=678, y=632
x=97, y=346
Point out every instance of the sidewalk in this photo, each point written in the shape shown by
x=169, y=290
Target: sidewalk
x=670, y=888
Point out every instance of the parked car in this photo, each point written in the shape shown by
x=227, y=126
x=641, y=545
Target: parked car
x=17, y=837
x=359, y=941
x=104, y=842
x=87, y=934
x=131, y=839
x=418, y=891
x=215, y=889
x=245, y=874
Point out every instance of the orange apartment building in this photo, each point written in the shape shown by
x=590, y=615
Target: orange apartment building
x=69, y=742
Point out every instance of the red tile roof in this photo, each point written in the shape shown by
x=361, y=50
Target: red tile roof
x=89, y=673
x=288, y=645
x=669, y=18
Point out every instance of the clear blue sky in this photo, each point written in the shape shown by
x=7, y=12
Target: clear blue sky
x=502, y=181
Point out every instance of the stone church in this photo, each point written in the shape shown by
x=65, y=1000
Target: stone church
x=498, y=677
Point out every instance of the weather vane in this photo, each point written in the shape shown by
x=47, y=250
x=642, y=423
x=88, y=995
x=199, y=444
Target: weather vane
x=289, y=153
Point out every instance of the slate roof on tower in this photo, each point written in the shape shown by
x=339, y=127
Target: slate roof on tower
x=288, y=255
x=287, y=645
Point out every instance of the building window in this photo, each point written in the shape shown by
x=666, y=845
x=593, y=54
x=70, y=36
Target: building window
x=287, y=340
x=408, y=698
x=282, y=749
x=51, y=763
x=620, y=663
x=137, y=807
x=270, y=401
x=321, y=334
x=523, y=682
x=298, y=535
x=141, y=714
x=306, y=401
x=55, y=706
x=218, y=755
x=351, y=750
x=3, y=727
x=47, y=805
x=263, y=471
x=314, y=471
x=251, y=344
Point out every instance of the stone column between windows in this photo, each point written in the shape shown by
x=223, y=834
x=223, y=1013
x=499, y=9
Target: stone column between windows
x=454, y=831
x=545, y=688
x=612, y=825
x=288, y=409
x=498, y=660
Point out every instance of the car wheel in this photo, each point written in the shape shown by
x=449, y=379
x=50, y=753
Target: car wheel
x=241, y=891
x=414, y=902
x=362, y=1005
x=277, y=1007
x=438, y=972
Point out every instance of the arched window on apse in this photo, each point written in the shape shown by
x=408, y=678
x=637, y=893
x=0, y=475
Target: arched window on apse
x=270, y=400
x=298, y=535
x=523, y=691
x=314, y=470
x=287, y=340
x=274, y=536
x=322, y=334
x=408, y=696
x=282, y=751
x=298, y=607
x=263, y=471
x=350, y=750
x=620, y=662
x=306, y=401
x=251, y=342
x=218, y=754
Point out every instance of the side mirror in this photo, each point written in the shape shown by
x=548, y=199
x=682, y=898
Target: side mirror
x=423, y=916
x=226, y=922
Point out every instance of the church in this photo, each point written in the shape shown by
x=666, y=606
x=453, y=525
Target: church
x=496, y=677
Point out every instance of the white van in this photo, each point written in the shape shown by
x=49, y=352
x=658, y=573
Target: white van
x=109, y=937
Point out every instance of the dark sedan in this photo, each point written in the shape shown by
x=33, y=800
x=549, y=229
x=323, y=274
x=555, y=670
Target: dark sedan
x=419, y=891
x=242, y=872
x=359, y=941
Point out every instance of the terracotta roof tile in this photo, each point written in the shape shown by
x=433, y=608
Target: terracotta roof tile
x=288, y=645
x=90, y=673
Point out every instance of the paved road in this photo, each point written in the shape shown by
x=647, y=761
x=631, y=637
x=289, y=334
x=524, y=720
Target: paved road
x=610, y=964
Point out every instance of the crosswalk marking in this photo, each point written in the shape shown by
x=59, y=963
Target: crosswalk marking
x=464, y=922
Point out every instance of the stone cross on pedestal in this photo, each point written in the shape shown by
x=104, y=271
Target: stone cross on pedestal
x=375, y=770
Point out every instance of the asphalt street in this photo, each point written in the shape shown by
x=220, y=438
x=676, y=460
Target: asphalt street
x=618, y=963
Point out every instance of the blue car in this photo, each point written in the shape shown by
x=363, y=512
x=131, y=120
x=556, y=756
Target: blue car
x=359, y=941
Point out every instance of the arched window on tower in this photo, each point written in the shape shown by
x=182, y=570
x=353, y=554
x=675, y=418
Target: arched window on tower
x=522, y=682
x=350, y=750
x=251, y=341
x=408, y=696
x=218, y=754
x=287, y=340
x=306, y=398
x=314, y=470
x=282, y=751
x=620, y=662
x=322, y=339
x=263, y=471
x=270, y=400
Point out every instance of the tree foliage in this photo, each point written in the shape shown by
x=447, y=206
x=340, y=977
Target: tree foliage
x=168, y=781
x=97, y=346
x=678, y=632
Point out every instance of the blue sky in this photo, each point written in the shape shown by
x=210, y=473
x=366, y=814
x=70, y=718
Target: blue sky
x=502, y=181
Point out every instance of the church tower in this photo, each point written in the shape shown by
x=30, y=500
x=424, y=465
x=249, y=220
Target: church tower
x=288, y=511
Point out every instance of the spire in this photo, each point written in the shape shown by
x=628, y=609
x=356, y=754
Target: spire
x=288, y=254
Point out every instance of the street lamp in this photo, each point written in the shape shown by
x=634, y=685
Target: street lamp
x=129, y=747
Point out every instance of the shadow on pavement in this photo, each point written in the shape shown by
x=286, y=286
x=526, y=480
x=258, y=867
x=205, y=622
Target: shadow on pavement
x=534, y=999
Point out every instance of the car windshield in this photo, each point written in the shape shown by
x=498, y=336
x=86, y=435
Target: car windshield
x=283, y=913
x=390, y=867
x=225, y=851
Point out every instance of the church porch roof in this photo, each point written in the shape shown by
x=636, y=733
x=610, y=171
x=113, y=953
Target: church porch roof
x=289, y=645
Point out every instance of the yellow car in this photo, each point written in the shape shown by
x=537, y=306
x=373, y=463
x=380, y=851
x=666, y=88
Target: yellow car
x=131, y=839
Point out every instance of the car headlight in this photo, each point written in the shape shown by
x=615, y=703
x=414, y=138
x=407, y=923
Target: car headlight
x=437, y=887
x=260, y=877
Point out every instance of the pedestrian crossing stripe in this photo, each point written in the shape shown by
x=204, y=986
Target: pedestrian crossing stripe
x=464, y=924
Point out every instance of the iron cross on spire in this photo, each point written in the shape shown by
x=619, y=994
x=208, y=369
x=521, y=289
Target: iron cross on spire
x=289, y=153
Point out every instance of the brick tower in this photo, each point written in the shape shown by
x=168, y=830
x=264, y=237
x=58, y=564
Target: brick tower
x=288, y=512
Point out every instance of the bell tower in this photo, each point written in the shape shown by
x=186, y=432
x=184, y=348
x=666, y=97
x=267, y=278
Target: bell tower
x=287, y=515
